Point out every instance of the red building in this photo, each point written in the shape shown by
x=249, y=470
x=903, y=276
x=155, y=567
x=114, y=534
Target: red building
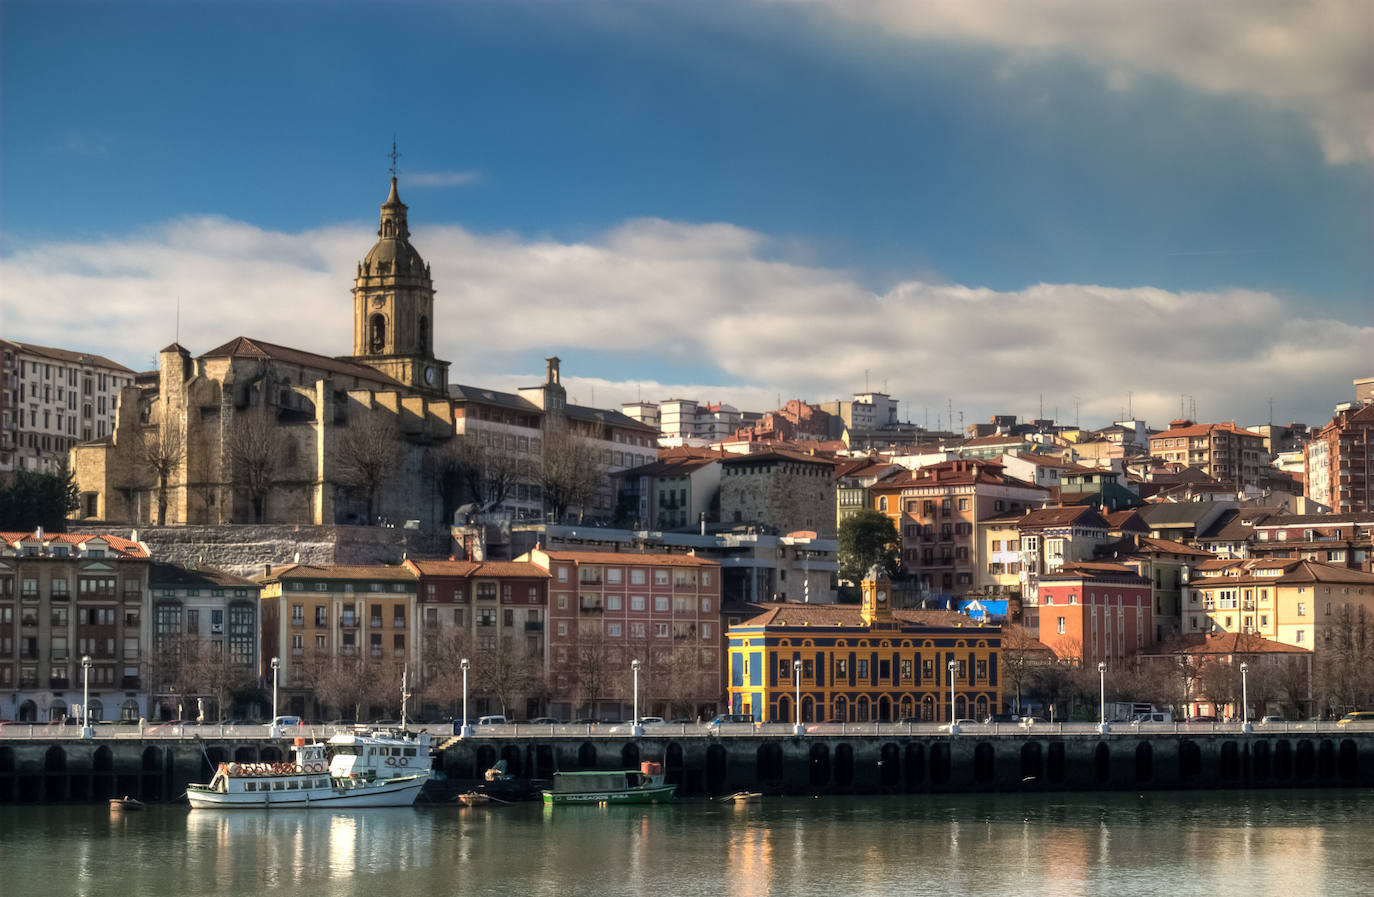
x=608, y=609
x=1095, y=612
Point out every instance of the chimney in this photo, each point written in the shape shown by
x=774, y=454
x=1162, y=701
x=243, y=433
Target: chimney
x=38, y=534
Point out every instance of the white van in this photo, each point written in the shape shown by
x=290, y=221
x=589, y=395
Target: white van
x=496, y=720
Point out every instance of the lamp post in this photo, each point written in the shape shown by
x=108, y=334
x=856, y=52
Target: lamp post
x=465, y=730
x=1102, y=726
x=1245, y=699
x=275, y=731
x=953, y=726
x=86, y=696
x=636, y=729
x=796, y=671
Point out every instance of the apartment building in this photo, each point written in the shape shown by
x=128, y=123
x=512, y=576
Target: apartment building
x=1340, y=461
x=1291, y=601
x=674, y=493
x=1227, y=453
x=1096, y=612
x=607, y=609
x=51, y=399
x=72, y=609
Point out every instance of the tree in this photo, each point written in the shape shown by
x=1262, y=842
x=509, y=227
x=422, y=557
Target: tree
x=256, y=449
x=506, y=673
x=367, y=457
x=161, y=452
x=867, y=539
x=32, y=499
x=464, y=469
x=570, y=470
x=1022, y=653
x=441, y=656
x=593, y=667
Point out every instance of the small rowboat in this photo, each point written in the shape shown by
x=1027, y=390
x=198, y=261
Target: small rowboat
x=119, y=804
x=743, y=797
x=473, y=798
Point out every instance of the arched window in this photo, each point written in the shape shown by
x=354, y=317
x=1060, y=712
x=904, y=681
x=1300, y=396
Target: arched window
x=376, y=340
x=97, y=710
x=57, y=710
x=129, y=710
x=28, y=712
x=882, y=503
x=841, y=709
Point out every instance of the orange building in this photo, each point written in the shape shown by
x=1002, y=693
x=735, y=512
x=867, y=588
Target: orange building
x=1096, y=611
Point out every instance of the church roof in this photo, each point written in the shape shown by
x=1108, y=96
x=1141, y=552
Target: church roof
x=246, y=347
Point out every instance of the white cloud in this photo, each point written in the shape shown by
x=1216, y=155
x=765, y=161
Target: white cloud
x=706, y=298
x=442, y=178
x=1310, y=58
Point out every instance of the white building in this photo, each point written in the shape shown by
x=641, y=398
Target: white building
x=51, y=399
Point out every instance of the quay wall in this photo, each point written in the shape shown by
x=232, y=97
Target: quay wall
x=63, y=770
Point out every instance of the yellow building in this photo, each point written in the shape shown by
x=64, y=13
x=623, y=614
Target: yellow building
x=866, y=663
x=332, y=628
x=1290, y=601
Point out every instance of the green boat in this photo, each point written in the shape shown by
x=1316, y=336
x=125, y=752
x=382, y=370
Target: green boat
x=626, y=786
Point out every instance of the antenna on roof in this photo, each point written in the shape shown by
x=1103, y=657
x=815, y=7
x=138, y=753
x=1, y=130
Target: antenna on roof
x=178, y=339
x=394, y=155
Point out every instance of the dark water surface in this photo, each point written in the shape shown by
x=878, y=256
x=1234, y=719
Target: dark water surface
x=1251, y=843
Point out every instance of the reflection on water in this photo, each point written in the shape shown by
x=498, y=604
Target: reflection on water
x=1180, y=844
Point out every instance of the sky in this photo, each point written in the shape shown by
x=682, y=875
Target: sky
x=1066, y=207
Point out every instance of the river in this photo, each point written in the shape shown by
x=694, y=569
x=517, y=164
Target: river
x=1195, y=843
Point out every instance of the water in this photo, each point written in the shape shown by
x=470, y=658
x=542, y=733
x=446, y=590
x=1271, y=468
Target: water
x=1256, y=843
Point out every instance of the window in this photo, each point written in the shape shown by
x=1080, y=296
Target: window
x=705, y=630
x=613, y=574
x=637, y=630
x=613, y=602
x=1060, y=625
x=321, y=617
x=660, y=630
x=636, y=602
x=563, y=602
x=861, y=669
x=841, y=668
x=613, y=630
x=1302, y=609
x=562, y=574
x=963, y=504
x=660, y=577
x=563, y=629
x=1300, y=638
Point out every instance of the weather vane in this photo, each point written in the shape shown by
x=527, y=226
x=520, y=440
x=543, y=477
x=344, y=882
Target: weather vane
x=394, y=155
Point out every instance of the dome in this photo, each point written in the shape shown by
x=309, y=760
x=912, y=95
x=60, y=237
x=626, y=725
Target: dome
x=392, y=253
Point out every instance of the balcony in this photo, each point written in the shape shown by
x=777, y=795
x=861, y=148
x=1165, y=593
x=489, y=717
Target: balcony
x=591, y=606
x=534, y=625
x=375, y=622
x=347, y=622
x=398, y=623
x=59, y=683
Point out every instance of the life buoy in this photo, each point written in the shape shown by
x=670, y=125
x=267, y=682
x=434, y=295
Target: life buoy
x=405, y=761
x=390, y=761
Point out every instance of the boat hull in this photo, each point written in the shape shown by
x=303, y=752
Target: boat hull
x=400, y=792
x=649, y=795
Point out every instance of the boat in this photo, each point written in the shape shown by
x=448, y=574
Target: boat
x=473, y=798
x=743, y=797
x=126, y=803
x=627, y=786
x=363, y=768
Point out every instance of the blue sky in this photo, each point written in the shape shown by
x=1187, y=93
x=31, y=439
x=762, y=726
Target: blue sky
x=811, y=168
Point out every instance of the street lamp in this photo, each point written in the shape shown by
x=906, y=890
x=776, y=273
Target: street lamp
x=796, y=671
x=953, y=726
x=86, y=695
x=1102, y=726
x=465, y=730
x=1245, y=698
x=636, y=729
x=275, y=731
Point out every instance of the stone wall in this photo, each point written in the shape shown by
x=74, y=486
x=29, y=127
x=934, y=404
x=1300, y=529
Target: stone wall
x=245, y=549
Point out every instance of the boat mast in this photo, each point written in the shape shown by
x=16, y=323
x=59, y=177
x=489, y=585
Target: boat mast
x=405, y=692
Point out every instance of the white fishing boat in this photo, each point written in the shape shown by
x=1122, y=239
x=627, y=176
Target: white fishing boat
x=364, y=768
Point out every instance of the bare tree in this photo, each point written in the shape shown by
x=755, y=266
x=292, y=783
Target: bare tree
x=506, y=672
x=1022, y=652
x=256, y=450
x=367, y=457
x=1345, y=661
x=464, y=469
x=162, y=450
x=441, y=654
x=570, y=470
x=593, y=666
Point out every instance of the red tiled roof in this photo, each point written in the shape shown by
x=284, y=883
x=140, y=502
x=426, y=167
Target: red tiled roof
x=1201, y=430
x=244, y=347
x=339, y=571
x=123, y=546
x=849, y=616
x=629, y=558
x=1223, y=644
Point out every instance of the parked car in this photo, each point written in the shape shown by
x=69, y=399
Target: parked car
x=1201, y=719
x=1356, y=716
x=1027, y=722
x=585, y=721
x=545, y=721
x=494, y=719
x=730, y=719
x=1271, y=720
x=1001, y=718
x=961, y=723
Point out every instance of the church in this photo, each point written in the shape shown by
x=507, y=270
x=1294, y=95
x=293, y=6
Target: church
x=255, y=432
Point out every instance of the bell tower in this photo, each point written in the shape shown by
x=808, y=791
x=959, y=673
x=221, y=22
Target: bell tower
x=393, y=305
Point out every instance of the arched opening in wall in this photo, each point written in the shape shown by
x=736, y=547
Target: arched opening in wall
x=1259, y=761
x=915, y=765
x=960, y=707
x=939, y=763
x=927, y=709
x=884, y=709
x=541, y=761
x=1228, y=764
x=586, y=756
x=1326, y=759
x=717, y=769
x=674, y=766
x=808, y=709
x=1347, y=763
x=1189, y=760
x=150, y=778
x=890, y=766
x=1283, y=760
x=984, y=764
x=102, y=773
x=245, y=754
x=511, y=753
x=97, y=710
x=820, y=765
x=270, y=755
x=1032, y=763
x=28, y=712
x=861, y=709
x=1144, y=763
x=1306, y=761
x=629, y=756
x=1054, y=769
x=844, y=765
x=128, y=711
x=7, y=786
x=1102, y=763
x=908, y=708
x=55, y=774
x=57, y=710
x=784, y=714
x=768, y=763
x=841, y=708
x=980, y=708
x=376, y=334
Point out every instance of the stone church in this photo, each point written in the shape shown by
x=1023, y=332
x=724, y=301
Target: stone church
x=252, y=431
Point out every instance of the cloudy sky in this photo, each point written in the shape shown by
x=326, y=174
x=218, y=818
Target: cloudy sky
x=994, y=207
